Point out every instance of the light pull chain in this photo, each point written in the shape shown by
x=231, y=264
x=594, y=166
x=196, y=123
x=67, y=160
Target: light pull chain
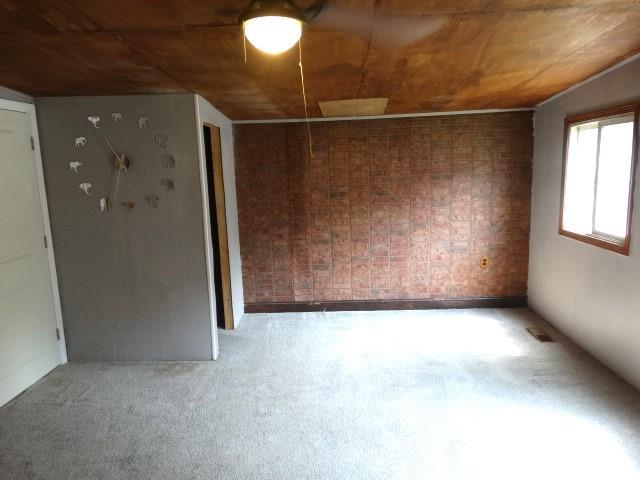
x=244, y=43
x=304, y=98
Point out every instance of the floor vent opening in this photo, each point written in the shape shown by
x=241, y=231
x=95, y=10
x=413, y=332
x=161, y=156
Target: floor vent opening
x=539, y=334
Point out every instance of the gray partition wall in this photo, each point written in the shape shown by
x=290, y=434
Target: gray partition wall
x=129, y=244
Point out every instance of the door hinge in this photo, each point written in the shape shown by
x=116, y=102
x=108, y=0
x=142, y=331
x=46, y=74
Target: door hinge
x=46, y=242
x=33, y=144
x=58, y=333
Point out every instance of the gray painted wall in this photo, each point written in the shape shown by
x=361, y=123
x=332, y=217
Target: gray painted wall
x=207, y=113
x=591, y=294
x=133, y=284
x=8, y=94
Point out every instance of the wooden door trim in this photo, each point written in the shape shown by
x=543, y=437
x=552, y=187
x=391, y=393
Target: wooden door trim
x=221, y=216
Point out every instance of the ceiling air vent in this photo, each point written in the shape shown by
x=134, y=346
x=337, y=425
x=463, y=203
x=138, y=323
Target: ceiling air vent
x=539, y=334
x=355, y=107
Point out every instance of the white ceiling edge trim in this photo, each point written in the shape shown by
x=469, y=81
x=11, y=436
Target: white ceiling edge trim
x=378, y=117
x=590, y=79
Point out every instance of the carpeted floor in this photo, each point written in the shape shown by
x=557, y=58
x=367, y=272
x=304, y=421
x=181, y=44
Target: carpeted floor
x=461, y=394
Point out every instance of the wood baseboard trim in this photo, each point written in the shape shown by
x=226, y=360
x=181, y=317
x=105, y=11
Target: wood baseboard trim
x=363, y=305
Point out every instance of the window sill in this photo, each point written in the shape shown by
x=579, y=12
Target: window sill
x=621, y=247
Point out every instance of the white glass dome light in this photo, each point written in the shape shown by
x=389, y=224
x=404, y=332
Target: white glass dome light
x=273, y=34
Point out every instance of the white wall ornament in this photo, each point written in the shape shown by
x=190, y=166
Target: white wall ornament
x=152, y=200
x=168, y=184
x=81, y=141
x=85, y=187
x=116, y=117
x=94, y=119
x=143, y=122
x=128, y=206
x=168, y=161
x=75, y=165
x=105, y=204
x=162, y=140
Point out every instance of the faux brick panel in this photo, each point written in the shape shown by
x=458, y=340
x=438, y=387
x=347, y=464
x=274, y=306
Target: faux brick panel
x=385, y=209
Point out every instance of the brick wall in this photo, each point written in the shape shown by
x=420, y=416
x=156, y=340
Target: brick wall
x=385, y=209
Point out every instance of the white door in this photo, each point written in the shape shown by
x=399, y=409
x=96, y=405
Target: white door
x=28, y=343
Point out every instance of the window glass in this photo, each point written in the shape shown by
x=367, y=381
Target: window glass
x=614, y=167
x=580, y=178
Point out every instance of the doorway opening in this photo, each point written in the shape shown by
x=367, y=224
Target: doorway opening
x=220, y=245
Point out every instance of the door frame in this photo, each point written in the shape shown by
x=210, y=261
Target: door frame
x=206, y=223
x=30, y=110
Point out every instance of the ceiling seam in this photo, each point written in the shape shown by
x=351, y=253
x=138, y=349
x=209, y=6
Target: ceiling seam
x=632, y=57
x=151, y=64
x=545, y=69
x=138, y=53
x=365, y=61
x=85, y=15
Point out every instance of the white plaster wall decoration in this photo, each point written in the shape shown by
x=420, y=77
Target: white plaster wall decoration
x=81, y=141
x=152, y=200
x=105, y=204
x=168, y=184
x=85, y=187
x=95, y=120
x=128, y=206
x=116, y=117
x=75, y=165
x=162, y=140
x=143, y=122
x=168, y=161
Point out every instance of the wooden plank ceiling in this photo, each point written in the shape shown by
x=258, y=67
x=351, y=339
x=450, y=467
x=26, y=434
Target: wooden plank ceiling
x=482, y=54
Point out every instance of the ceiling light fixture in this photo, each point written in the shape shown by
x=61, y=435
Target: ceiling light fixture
x=272, y=26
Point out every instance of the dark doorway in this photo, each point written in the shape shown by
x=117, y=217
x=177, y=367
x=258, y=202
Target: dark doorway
x=220, y=246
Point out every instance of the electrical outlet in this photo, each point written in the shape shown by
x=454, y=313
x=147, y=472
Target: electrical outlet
x=484, y=262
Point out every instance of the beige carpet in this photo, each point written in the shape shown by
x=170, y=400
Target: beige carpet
x=461, y=394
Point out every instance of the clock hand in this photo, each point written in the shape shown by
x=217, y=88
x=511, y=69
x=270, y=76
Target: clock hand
x=111, y=146
x=120, y=161
x=115, y=193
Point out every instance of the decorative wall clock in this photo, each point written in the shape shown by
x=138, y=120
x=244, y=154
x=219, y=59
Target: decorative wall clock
x=120, y=162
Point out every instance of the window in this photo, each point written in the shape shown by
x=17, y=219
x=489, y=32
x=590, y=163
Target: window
x=598, y=177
